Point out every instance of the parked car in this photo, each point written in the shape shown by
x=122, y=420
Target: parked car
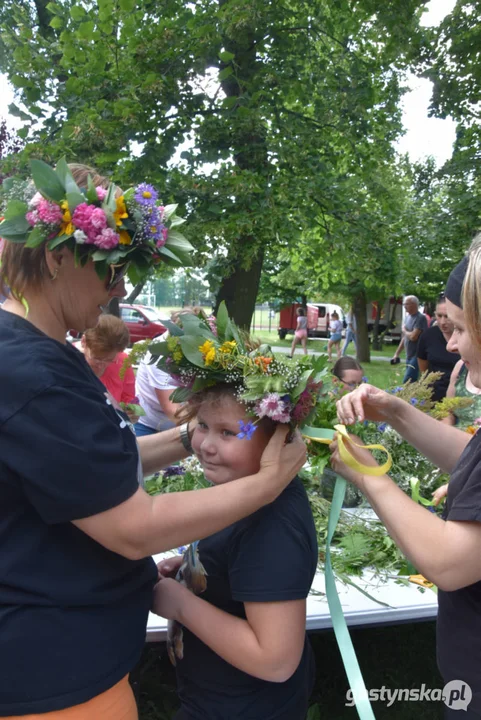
x=142, y=321
x=318, y=319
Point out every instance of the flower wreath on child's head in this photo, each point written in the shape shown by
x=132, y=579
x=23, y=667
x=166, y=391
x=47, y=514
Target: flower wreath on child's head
x=132, y=232
x=199, y=355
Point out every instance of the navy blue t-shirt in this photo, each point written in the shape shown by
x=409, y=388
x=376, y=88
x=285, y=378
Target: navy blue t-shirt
x=269, y=556
x=72, y=613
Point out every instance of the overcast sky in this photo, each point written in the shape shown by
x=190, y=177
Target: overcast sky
x=424, y=136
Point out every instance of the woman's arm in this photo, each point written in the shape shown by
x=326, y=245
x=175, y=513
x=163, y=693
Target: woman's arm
x=145, y=525
x=267, y=645
x=423, y=365
x=440, y=443
x=445, y=552
x=168, y=408
x=160, y=449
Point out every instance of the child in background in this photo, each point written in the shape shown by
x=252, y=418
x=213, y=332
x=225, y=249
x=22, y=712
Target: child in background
x=335, y=327
x=240, y=645
x=348, y=372
x=300, y=334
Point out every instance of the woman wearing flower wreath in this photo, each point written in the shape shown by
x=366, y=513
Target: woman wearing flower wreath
x=446, y=551
x=238, y=639
x=77, y=531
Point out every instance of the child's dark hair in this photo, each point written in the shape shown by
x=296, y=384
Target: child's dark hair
x=188, y=411
x=300, y=311
x=345, y=363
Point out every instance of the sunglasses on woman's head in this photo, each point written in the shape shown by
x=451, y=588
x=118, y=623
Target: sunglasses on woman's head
x=117, y=273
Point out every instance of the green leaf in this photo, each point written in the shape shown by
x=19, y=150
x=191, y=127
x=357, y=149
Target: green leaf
x=226, y=56
x=14, y=110
x=180, y=395
x=15, y=229
x=15, y=208
x=175, y=220
x=56, y=22
x=36, y=237
x=56, y=241
x=127, y=5
x=169, y=210
x=54, y=8
x=47, y=181
x=190, y=348
x=226, y=72
x=86, y=30
x=178, y=241
x=91, y=191
x=77, y=13
x=100, y=255
x=222, y=319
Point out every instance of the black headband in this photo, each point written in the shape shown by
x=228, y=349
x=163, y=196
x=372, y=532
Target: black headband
x=454, y=286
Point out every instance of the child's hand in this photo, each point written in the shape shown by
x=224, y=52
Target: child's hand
x=168, y=595
x=170, y=567
x=440, y=494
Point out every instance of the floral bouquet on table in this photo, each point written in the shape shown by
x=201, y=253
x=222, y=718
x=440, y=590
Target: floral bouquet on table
x=199, y=354
x=125, y=233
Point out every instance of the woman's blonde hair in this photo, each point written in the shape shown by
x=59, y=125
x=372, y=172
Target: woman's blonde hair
x=22, y=268
x=109, y=335
x=472, y=291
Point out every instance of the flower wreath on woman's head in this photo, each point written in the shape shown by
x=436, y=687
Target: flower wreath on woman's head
x=198, y=356
x=132, y=230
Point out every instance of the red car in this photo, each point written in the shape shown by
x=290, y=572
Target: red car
x=142, y=321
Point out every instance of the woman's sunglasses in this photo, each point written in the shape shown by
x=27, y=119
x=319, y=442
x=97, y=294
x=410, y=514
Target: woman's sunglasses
x=117, y=273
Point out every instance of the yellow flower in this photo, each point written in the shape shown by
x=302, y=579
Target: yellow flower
x=120, y=211
x=228, y=346
x=66, y=227
x=172, y=342
x=125, y=238
x=177, y=355
x=208, y=345
x=210, y=356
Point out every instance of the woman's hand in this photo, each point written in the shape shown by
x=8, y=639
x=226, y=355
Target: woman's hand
x=168, y=596
x=170, y=567
x=366, y=403
x=440, y=494
x=283, y=460
x=360, y=454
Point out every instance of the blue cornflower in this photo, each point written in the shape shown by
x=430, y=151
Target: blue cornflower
x=173, y=470
x=382, y=427
x=364, y=378
x=181, y=550
x=413, y=401
x=246, y=430
x=396, y=389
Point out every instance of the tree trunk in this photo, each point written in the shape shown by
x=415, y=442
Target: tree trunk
x=362, y=337
x=135, y=292
x=239, y=291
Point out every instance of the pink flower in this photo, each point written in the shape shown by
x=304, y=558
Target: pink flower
x=165, y=233
x=160, y=242
x=50, y=213
x=32, y=217
x=101, y=193
x=35, y=200
x=273, y=406
x=107, y=239
x=98, y=219
x=81, y=216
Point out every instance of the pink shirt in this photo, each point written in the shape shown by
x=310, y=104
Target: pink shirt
x=121, y=390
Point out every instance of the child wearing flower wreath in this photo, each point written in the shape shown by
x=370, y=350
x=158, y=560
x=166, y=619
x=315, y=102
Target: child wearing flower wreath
x=237, y=617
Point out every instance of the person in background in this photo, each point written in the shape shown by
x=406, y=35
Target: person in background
x=300, y=334
x=348, y=372
x=461, y=385
x=350, y=331
x=154, y=387
x=433, y=354
x=443, y=549
x=103, y=347
x=335, y=328
x=414, y=325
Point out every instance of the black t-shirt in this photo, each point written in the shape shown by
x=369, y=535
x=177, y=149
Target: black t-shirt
x=72, y=613
x=432, y=347
x=269, y=556
x=459, y=615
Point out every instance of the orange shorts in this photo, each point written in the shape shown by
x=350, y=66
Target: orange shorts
x=116, y=703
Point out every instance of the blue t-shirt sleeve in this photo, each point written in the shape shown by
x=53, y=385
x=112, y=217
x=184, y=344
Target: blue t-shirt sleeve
x=272, y=559
x=420, y=323
x=73, y=454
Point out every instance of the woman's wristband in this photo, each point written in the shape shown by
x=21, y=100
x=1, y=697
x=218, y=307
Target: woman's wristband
x=185, y=438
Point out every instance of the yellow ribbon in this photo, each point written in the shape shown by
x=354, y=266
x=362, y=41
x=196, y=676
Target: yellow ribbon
x=343, y=441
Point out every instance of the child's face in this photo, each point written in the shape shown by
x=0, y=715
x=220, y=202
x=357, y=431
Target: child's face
x=351, y=379
x=223, y=456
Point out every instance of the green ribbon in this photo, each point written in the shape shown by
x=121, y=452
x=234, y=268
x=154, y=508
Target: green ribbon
x=344, y=642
